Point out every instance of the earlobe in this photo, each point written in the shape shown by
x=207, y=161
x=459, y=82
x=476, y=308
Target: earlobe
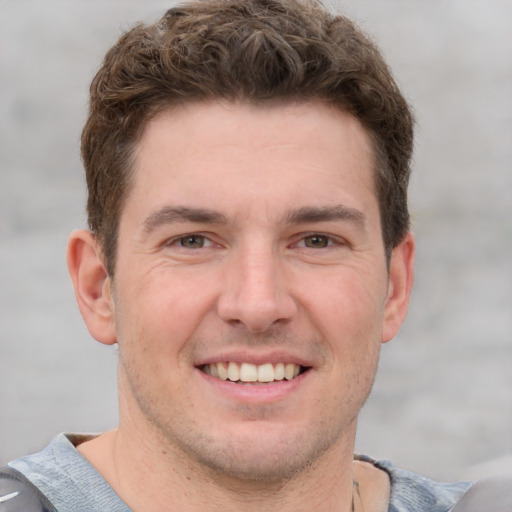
x=92, y=285
x=401, y=278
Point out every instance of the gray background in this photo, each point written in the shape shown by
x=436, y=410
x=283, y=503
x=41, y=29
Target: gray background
x=443, y=398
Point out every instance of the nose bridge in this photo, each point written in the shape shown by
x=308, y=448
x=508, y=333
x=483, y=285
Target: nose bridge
x=256, y=292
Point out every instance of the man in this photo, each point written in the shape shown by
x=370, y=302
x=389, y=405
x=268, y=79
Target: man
x=249, y=251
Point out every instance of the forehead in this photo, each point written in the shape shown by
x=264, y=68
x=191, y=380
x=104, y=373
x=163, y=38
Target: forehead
x=276, y=152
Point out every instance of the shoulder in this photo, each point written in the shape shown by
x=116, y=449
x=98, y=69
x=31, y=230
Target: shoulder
x=17, y=493
x=410, y=491
x=66, y=479
x=491, y=495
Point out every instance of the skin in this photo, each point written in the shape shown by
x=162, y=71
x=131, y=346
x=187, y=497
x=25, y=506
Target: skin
x=251, y=234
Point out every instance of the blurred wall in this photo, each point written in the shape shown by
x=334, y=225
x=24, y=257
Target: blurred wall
x=443, y=396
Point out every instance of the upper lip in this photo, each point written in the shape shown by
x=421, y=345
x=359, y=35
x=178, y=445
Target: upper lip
x=256, y=358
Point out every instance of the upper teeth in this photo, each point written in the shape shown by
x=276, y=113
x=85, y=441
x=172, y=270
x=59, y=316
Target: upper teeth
x=247, y=372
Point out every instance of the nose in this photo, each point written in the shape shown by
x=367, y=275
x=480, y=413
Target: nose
x=256, y=292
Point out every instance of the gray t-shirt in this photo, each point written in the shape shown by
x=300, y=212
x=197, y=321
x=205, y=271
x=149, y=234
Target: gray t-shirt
x=73, y=485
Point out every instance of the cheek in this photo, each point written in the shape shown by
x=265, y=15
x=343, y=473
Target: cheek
x=347, y=301
x=349, y=315
x=160, y=310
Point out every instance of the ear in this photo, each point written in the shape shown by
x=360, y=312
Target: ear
x=92, y=285
x=401, y=278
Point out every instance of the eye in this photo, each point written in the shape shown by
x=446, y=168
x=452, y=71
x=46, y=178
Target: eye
x=191, y=241
x=317, y=241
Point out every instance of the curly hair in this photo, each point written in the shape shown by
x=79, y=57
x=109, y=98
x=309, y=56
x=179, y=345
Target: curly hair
x=242, y=50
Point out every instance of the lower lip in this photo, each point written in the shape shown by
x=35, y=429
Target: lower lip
x=254, y=393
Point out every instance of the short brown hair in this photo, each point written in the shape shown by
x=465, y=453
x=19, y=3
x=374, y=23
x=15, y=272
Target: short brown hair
x=250, y=50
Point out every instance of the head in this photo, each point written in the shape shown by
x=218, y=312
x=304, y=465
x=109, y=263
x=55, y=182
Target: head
x=253, y=51
x=248, y=161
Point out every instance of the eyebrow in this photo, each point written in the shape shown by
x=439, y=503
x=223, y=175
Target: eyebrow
x=170, y=214
x=326, y=213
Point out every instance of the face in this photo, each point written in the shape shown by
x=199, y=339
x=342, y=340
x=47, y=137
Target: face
x=251, y=292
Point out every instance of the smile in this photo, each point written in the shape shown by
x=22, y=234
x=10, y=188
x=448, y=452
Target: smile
x=252, y=373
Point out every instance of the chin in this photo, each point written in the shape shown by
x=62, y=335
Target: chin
x=272, y=466
x=269, y=455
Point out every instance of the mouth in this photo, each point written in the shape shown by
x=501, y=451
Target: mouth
x=248, y=373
